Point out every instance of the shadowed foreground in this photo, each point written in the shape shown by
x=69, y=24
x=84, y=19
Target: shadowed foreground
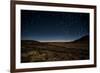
x=34, y=51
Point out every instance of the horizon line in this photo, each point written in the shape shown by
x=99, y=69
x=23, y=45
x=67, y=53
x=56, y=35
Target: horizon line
x=53, y=40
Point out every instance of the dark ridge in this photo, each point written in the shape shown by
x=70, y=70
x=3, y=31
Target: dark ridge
x=32, y=43
x=29, y=41
x=84, y=39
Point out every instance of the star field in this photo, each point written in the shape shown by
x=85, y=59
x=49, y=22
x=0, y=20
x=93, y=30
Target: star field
x=53, y=26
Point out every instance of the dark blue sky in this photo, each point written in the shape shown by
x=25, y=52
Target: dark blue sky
x=53, y=26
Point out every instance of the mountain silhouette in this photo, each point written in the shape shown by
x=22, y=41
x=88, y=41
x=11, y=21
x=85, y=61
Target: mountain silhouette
x=29, y=42
x=84, y=39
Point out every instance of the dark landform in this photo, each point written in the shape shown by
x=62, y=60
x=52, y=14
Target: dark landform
x=35, y=51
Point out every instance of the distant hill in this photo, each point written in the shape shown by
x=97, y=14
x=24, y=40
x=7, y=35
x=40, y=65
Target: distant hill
x=82, y=43
x=84, y=39
x=29, y=41
x=26, y=42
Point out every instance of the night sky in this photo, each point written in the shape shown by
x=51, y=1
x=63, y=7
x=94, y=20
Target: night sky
x=49, y=26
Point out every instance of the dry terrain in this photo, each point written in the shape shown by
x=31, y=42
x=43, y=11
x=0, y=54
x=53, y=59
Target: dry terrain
x=34, y=51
